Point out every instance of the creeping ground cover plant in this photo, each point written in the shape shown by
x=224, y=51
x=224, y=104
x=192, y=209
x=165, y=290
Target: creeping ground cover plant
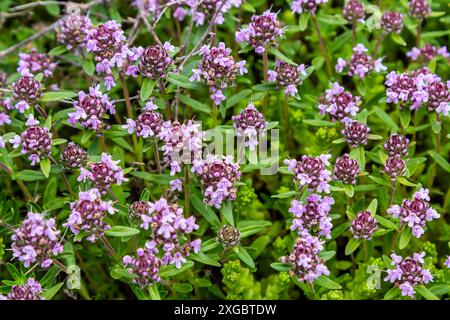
x=225, y=149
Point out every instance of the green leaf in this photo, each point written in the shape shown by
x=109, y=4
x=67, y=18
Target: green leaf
x=386, y=222
x=182, y=81
x=49, y=276
x=56, y=142
x=88, y=66
x=227, y=211
x=303, y=21
x=405, y=237
x=351, y=246
x=398, y=39
x=282, y=57
x=249, y=227
x=326, y=282
x=405, y=182
x=171, y=270
x=373, y=207
x=236, y=98
x=153, y=177
x=147, y=89
x=392, y=293
x=154, y=292
x=57, y=96
x=29, y=175
x=386, y=119
x=14, y=273
x=319, y=123
x=57, y=51
x=425, y=292
x=205, y=210
x=405, y=117
x=349, y=191
x=284, y=195
x=182, y=287
x=244, y=256
x=360, y=156
x=86, y=136
x=332, y=20
x=205, y=259
x=50, y=293
x=336, y=232
x=282, y=267
x=122, y=231
x=327, y=255
x=45, y=166
x=436, y=126
x=194, y=104
x=441, y=161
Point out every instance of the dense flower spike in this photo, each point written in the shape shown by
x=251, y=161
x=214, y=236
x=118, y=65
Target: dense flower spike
x=415, y=213
x=304, y=260
x=360, y=64
x=137, y=209
x=363, y=226
x=338, y=103
x=438, y=97
x=26, y=91
x=218, y=69
x=353, y=11
x=168, y=224
x=299, y=6
x=145, y=266
x=356, y=133
x=312, y=215
x=392, y=21
x=202, y=11
x=91, y=108
x=427, y=53
x=419, y=8
x=250, y=124
x=36, y=62
x=229, y=236
x=395, y=167
x=36, y=141
x=311, y=171
x=73, y=156
x=346, y=169
x=36, y=240
x=103, y=173
x=72, y=30
x=262, y=33
x=218, y=175
x=287, y=76
x=147, y=7
x=148, y=124
x=182, y=143
x=155, y=61
x=87, y=214
x=408, y=273
x=397, y=146
x=31, y=290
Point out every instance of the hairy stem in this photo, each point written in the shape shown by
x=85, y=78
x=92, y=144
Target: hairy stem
x=126, y=96
x=109, y=248
x=156, y=156
x=438, y=135
x=322, y=46
x=186, y=191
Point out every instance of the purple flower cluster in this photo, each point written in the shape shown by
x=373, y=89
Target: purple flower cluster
x=72, y=30
x=219, y=69
x=408, y=272
x=419, y=8
x=392, y=21
x=202, y=11
x=182, y=143
x=109, y=45
x=363, y=226
x=311, y=171
x=73, y=156
x=346, y=169
x=36, y=240
x=155, y=61
x=148, y=7
x=338, y=103
x=36, y=62
x=262, y=32
x=397, y=146
x=395, y=167
x=312, y=216
x=103, y=173
x=250, y=123
x=427, y=53
x=287, y=76
x=87, y=214
x=26, y=91
x=137, y=209
x=145, y=266
x=148, y=124
x=218, y=174
x=304, y=259
x=416, y=88
x=299, y=6
x=447, y=262
x=415, y=213
x=36, y=141
x=356, y=133
x=31, y=290
x=91, y=108
x=168, y=225
x=353, y=11
x=360, y=63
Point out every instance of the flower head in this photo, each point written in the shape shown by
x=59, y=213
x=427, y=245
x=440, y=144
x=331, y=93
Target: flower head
x=36, y=63
x=72, y=30
x=287, y=76
x=346, y=169
x=338, y=103
x=31, y=290
x=363, y=226
x=74, y=156
x=250, y=123
x=356, y=133
x=312, y=172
